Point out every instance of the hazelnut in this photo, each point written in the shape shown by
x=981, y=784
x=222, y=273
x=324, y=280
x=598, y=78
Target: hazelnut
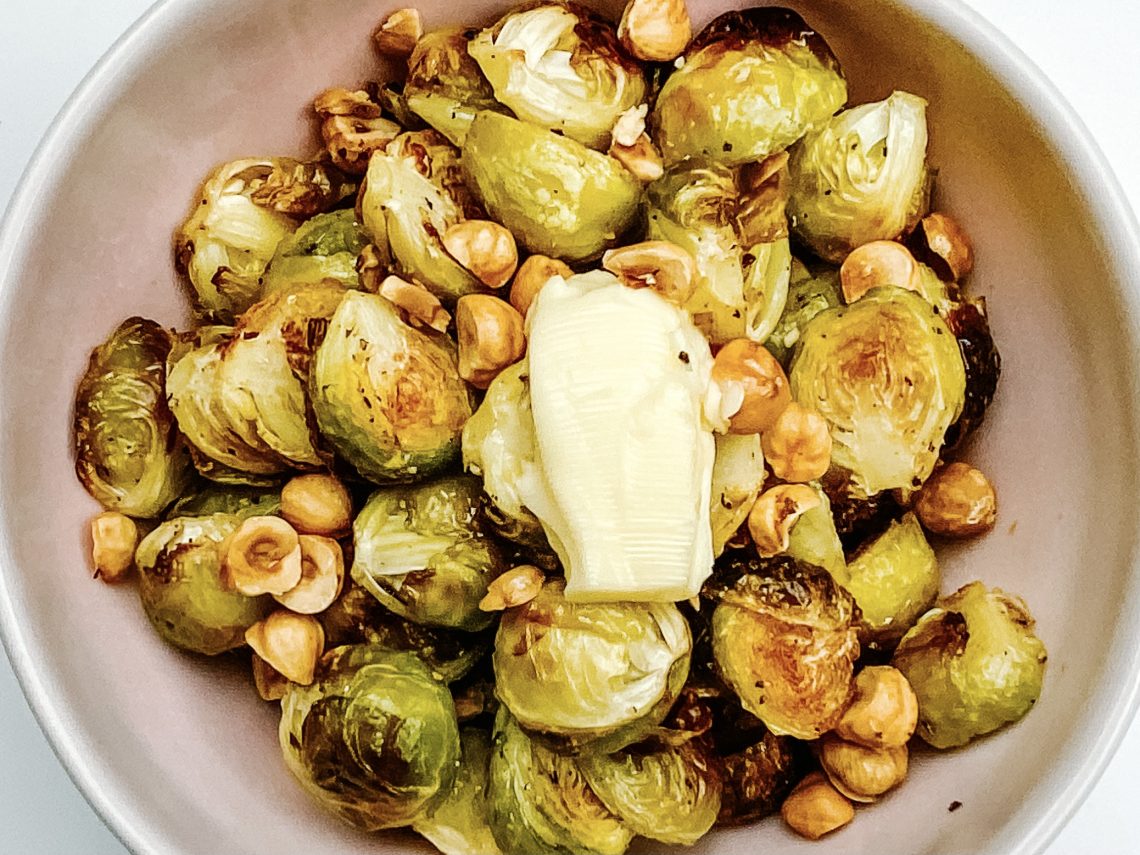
x=271, y=685
x=535, y=272
x=797, y=446
x=630, y=126
x=957, y=501
x=815, y=808
x=862, y=774
x=747, y=372
x=772, y=516
x=640, y=158
x=490, y=337
x=419, y=306
x=289, y=643
x=514, y=588
x=947, y=240
x=880, y=262
x=263, y=556
x=655, y=30
x=114, y=537
x=884, y=711
x=398, y=35
x=322, y=576
x=370, y=265
x=485, y=248
x=658, y=264
x=317, y=504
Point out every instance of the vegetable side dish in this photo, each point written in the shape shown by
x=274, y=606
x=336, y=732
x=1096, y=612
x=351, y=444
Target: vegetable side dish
x=632, y=538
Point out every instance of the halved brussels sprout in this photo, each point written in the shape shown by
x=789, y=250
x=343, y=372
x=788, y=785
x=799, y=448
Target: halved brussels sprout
x=894, y=579
x=388, y=397
x=737, y=476
x=758, y=777
x=670, y=793
x=974, y=663
x=183, y=591
x=557, y=197
x=861, y=177
x=374, y=738
x=459, y=824
x=808, y=294
x=597, y=673
x=785, y=641
x=752, y=83
x=968, y=321
x=325, y=247
x=236, y=501
x=127, y=452
x=540, y=803
x=887, y=375
x=557, y=66
x=814, y=540
x=421, y=554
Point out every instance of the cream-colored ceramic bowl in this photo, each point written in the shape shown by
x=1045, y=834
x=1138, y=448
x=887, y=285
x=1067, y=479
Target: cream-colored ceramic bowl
x=177, y=753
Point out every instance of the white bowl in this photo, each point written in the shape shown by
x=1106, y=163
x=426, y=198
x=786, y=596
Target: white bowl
x=179, y=756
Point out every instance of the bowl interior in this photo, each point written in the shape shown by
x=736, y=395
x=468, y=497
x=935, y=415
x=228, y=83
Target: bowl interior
x=180, y=755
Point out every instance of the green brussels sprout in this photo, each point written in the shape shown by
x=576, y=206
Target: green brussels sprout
x=602, y=674
x=374, y=738
x=671, y=793
x=388, y=397
x=752, y=83
x=742, y=272
x=183, y=591
x=245, y=208
x=784, y=639
x=737, y=477
x=460, y=825
x=540, y=803
x=127, y=452
x=557, y=197
x=445, y=86
x=887, y=375
x=236, y=501
x=324, y=247
x=894, y=579
x=558, y=66
x=413, y=194
x=861, y=177
x=974, y=663
x=421, y=554
x=814, y=540
x=808, y=294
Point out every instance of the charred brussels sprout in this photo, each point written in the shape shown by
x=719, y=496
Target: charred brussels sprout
x=758, y=777
x=445, y=86
x=598, y=673
x=861, y=177
x=236, y=501
x=784, y=639
x=374, y=739
x=388, y=397
x=127, y=451
x=558, y=197
x=459, y=825
x=737, y=476
x=968, y=321
x=887, y=375
x=325, y=247
x=753, y=82
x=557, y=66
x=421, y=554
x=540, y=803
x=974, y=664
x=183, y=591
x=809, y=294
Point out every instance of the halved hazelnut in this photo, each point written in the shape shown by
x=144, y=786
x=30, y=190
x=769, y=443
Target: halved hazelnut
x=322, y=576
x=514, y=588
x=398, y=35
x=772, y=516
x=419, y=305
x=290, y=643
x=658, y=264
x=114, y=537
x=263, y=556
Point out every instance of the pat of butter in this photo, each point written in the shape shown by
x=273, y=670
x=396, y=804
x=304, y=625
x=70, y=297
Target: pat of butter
x=623, y=456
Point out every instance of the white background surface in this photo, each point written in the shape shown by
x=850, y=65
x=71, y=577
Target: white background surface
x=46, y=47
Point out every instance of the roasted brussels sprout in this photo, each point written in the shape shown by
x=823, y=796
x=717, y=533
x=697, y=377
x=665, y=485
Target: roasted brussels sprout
x=669, y=793
x=784, y=639
x=183, y=591
x=814, y=540
x=374, y=738
x=894, y=579
x=236, y=501
x=558, y=197
x=445, y=85
x=388, y=397
x=127, y=451
x=540, y=803
x=969, y=322
x=887, y=375
x=459, y=824
x=557, y=66
x=325, y=247
x=808, y=294
x=752, y=83
x=737, y=476
x=421, y=554
x=602, y=674
x=974, y=663
x=861, y=177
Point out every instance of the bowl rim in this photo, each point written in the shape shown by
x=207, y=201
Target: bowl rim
x=1062, y=129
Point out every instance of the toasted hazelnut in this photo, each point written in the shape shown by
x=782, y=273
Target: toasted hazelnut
x=370, y=267
x=884, y=711
x=490, y=337
x=535, y=272
x=630, y=126
x=947, y=240
x=748, y=373
x=815, y=808
x=114, y=537
x=658, y=264
x=270, y=683
x=641, y=158
x=398, y=35
x=316, y=504
x=880, y=262
x=797, y=446
x=514, y=588
x=655, y=30
x=263, y=556
x=289, y=643
x=485, y=248
x=772, y=516
x=957, y=501
x=322, y=576
x=862, y=774
x=419, y=306
x=352, y=128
